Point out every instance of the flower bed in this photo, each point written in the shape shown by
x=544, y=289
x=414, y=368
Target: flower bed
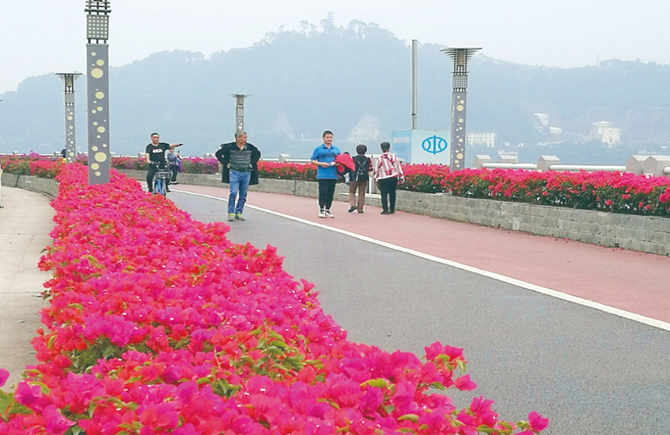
x=603, y=191
x=287, y=171
x=31, y=164
x=159, y=324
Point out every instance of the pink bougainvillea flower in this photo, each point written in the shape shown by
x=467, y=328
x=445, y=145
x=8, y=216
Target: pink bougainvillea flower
x=4, y=375
x=464, y=383
x=537, y=422
x=56, y=424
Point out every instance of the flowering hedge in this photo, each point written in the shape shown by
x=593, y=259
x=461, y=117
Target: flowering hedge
x=31, y=164
x=48, y=166
x=159, y=324
x=604, y=191
x=287, y=171
x=190, y=165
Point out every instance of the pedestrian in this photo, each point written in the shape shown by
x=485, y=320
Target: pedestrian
x=358, y=179
x=240, y=169
x=155, y=157
x=326, y=173
x=174, y=162
x=387, y=173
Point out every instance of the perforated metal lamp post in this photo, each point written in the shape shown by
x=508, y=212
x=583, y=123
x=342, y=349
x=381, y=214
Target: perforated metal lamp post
x=460, y=57
x=70, y=136
x=97, y=33
x=239, y=110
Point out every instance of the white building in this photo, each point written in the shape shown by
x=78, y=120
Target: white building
x=541, y=120
x=555, y=134
x=482, y=139
x=604, y=132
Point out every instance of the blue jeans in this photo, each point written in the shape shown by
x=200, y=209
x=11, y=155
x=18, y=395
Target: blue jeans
x=239, y=183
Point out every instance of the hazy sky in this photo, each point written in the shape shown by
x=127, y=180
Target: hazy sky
x=45, y=36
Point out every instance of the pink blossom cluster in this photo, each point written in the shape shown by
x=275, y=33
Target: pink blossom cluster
x=604, y=191
x=31, y=164
x=158, y=324
x=287, y=171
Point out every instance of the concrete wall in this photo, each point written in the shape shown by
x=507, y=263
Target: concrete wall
x=638, y=233
x=30, y=182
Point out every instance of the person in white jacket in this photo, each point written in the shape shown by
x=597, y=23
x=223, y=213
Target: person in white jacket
x=387, y=174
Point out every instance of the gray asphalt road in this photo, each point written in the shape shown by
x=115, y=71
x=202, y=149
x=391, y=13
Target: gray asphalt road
x=588, y=371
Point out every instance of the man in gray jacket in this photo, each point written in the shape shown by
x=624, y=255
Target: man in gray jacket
x=240, y=169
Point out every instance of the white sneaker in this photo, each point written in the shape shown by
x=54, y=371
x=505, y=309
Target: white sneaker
x=329, y=214
x=322, y=214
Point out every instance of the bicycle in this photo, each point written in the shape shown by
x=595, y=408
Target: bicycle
x=161, y=180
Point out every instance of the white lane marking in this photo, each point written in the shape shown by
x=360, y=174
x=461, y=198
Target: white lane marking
x=506, y=279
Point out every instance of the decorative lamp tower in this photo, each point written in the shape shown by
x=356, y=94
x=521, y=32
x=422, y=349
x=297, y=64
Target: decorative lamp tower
x=70, y=137
x=239, y=110
x=460, y=56
x=97, y=33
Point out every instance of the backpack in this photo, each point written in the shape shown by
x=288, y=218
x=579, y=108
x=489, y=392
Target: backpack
x=361, y=167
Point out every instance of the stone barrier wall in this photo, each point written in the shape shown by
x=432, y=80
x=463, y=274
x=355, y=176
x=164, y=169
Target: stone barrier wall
x=46, y=186
x=638, y=233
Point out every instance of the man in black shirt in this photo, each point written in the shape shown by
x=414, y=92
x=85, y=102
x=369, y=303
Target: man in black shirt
x=240, y=169
x=155, y=156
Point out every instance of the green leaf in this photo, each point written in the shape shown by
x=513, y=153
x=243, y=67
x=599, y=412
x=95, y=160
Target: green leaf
x=279, y=343
x=438, y=386
x=17, y=408
x=111, y=351
x=484, y=428
x=379, y=383
x=461, y=365
x=274, y=334
x=74, y=430
x=411, y=417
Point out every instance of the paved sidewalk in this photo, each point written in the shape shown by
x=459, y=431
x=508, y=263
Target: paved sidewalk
x=25, y=222
x=633, y=281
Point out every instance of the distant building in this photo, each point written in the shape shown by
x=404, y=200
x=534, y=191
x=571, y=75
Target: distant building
x=542, y=120
x=604, y=132
x=482, y=139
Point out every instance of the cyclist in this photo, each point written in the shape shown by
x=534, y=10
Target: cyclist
x=155, y=157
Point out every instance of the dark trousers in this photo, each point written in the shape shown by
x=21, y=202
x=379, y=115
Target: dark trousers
x=150, y=177
x=326, y=193
x=388, y=186
x=174, y=170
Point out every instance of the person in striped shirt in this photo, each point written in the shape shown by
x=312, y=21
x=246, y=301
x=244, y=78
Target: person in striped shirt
x=387, y=174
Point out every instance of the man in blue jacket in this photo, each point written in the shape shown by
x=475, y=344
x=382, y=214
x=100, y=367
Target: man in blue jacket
x=240, y=169
x=326, y=173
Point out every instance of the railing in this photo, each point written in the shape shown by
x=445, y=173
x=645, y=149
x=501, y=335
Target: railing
x=647, y=165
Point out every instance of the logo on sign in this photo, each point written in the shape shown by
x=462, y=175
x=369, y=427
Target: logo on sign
x=434, y=145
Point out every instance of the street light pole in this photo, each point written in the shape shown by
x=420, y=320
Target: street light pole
x=97, y=29
x=460, y=57
x=70, y=137
x=239, y=110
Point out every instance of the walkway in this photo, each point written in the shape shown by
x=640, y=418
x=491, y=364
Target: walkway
x=25, y=223
x=627, y=280
x=590, y=371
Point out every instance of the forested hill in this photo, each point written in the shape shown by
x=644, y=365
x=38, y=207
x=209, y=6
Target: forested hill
x=353, y=80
